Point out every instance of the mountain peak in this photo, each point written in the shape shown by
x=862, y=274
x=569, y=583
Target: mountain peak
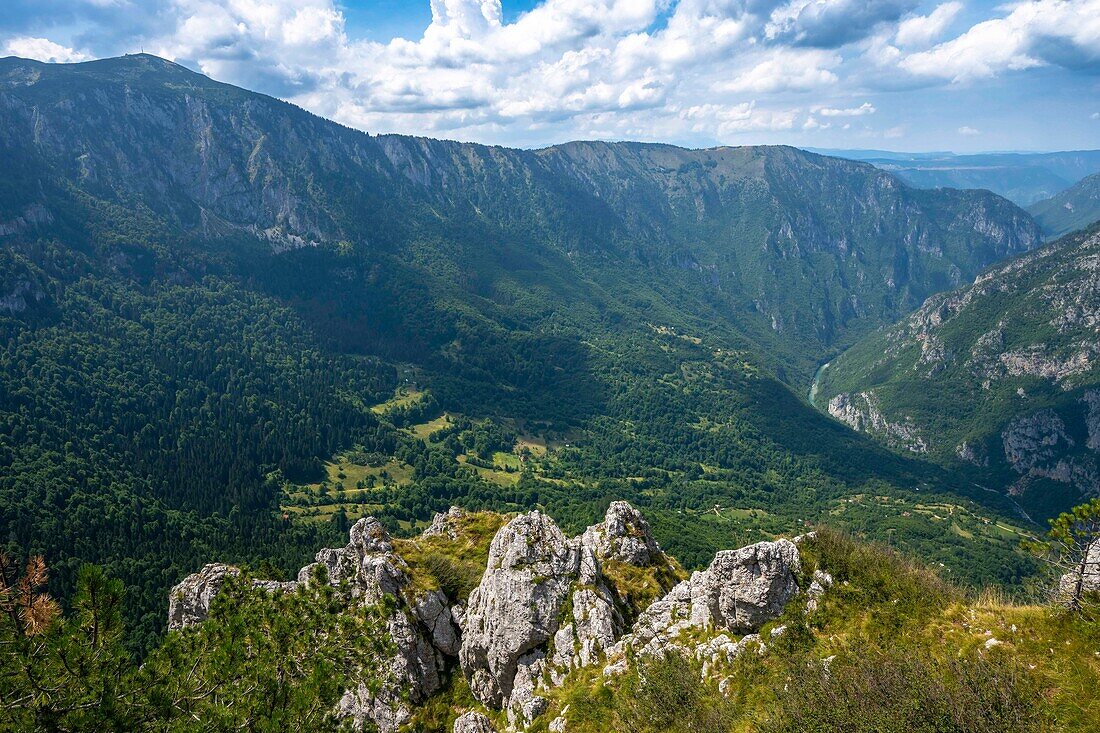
x=138, y=68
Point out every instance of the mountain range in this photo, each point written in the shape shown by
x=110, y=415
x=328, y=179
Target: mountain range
x=231, y=327
x=1072, y=209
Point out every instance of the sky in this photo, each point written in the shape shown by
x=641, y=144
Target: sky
x=961, y=75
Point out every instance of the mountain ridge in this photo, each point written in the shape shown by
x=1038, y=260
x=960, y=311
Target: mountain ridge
x=1013, y=354
x=1075, y=208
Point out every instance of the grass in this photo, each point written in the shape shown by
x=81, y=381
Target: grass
x=909, y=652
x=454, y=565
x=425, y=429
x=402, y=397
x=322, y=499
x=492, y=475
x=639, y=587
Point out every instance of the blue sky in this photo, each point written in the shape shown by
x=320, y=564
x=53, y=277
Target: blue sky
x=962, y=75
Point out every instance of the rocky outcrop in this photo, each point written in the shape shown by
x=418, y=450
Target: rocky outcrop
x=543, y=608
x=542, y=605
x=365, y=571
x=444, y=523
x=189, y=600
x=1039, y=445
x=624, y=535
x=1085, y=578
x=473, y=722
x=739, y=592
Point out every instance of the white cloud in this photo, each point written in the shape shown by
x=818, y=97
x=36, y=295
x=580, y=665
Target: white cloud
x=864, y=109
x=1036, y=33
x=1095, y=116
x=658, y=69
x=732, y=119
x=42, y=49
x=786, y=70
x=968, y=131
x=921, y=30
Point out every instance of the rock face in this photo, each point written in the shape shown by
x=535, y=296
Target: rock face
x=739, y=592
x=473, y=722
x=860, y=411
x=544, y=607
x=189, y=601
x=1016, y=356
x=1084, y=579
x=624, y=535
x=517, y=607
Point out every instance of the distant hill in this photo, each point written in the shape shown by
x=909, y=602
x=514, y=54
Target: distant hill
x=1072, y=209
x=1024, y=178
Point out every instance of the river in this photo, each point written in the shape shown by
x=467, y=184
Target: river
x=814, y=384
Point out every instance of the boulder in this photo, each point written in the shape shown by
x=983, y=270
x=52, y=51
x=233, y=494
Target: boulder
x=623, y=535
x=1068, y=585
x=189, y=601
x=473, y=722
x=740, y=591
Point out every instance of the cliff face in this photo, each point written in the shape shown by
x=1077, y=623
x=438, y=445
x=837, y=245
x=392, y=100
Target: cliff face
x=545, y=606
x=1001, y=374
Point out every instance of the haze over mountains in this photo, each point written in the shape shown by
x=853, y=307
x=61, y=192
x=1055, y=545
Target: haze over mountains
x=207, y=294
x=1025, y=178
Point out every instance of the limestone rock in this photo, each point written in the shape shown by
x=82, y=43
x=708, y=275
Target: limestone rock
x=821, y=582
x=624, y=535
x=443, y=523
x=516, y=607
x=189, y=601
x=1067, y=586
x=740, y=591
x=431, y=608
x=473, y=722
x=544, y=608
x=367, y=570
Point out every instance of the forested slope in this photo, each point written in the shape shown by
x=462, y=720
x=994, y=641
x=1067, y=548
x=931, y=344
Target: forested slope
x=205, y=294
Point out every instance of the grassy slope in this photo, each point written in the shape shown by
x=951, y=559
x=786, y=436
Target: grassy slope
x=896, y=636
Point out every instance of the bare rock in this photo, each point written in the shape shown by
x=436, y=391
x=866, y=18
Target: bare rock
x=517, y=606
x=444, y=523
x=473, y=722
x=1083, y=579
x=740, y=592
x=624, y=535
x=189, y=601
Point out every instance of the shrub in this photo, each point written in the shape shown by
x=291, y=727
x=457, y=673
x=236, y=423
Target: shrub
x=667, y=695
x=905, y=691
